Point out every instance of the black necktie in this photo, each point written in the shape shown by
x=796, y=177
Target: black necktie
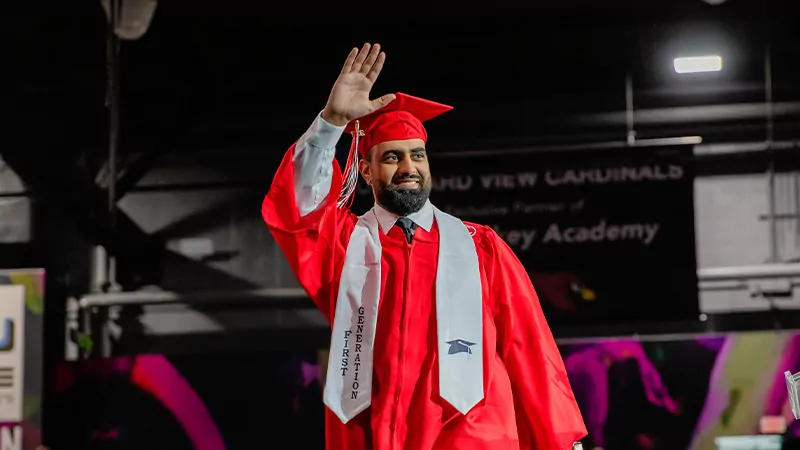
x=408, y=226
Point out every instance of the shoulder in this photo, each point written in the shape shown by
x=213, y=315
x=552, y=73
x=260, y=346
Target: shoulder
x=479, y=231
x=489, y=243
x=484, y=236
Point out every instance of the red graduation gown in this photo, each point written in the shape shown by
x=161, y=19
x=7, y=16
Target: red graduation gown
x=528, y=401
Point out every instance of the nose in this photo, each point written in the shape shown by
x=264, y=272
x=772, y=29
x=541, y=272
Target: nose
x=406, y=167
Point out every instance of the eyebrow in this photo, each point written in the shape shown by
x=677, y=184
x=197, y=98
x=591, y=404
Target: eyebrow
x=398, y=151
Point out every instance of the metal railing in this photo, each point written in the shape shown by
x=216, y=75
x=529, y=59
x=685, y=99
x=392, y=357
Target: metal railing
x=158, y=297
x=743, y=273
x=89, y=314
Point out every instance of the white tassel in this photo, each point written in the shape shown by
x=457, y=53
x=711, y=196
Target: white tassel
x=350, y=178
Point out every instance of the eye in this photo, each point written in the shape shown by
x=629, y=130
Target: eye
x=390, y=158
x=419, y=156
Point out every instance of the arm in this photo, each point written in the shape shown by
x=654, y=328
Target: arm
x=300, y=207
x=588, y=372
x=548, y=417
x=312, y=162
x=300, y=204
x=654, y=387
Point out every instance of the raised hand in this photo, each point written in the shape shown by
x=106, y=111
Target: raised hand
x=349, y=97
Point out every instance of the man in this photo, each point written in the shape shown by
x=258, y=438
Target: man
x=438, y=338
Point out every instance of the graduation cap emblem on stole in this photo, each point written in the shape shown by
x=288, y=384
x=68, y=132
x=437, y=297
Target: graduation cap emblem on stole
x=460, y=346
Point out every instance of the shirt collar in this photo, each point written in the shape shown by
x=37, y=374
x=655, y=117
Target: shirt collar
x=423, y=217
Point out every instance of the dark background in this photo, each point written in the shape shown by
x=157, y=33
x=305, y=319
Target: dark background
x=231, y=85
x=247, y=75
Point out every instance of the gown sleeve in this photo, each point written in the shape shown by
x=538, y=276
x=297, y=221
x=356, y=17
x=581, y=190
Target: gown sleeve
x=300, y=210
x=548, y=417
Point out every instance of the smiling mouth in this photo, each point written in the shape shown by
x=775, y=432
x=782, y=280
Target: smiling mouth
x=408, y=184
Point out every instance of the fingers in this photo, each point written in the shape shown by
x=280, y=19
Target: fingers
x=362, y=56
x=365, y=60
x=376, y=67
x=379, y=103
x=371, y=58
x=348, y=63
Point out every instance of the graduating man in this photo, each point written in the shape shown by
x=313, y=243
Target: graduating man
x=438, y=341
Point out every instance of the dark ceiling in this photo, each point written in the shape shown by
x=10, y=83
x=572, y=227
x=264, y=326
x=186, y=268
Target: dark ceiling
x=249, y=75
x=243, y=75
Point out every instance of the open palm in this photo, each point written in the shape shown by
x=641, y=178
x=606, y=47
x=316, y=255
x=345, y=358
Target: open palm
x=349, y=97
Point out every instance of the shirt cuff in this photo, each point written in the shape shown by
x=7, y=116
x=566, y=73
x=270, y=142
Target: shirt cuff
x=325, y=134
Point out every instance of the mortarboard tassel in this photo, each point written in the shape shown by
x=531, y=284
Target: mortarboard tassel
x=350, y=178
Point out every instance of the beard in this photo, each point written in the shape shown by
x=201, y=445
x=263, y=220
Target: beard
x=402, y=201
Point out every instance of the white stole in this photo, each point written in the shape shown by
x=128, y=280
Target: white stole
x=459, y=314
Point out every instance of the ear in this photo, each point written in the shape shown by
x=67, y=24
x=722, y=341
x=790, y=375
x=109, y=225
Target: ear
x=363, y=169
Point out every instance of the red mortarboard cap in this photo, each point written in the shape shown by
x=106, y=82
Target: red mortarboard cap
x=399, y=120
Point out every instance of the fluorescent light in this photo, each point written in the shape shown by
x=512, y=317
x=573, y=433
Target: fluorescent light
x=698, y=64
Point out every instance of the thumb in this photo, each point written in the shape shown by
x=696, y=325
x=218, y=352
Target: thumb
x=379, y=103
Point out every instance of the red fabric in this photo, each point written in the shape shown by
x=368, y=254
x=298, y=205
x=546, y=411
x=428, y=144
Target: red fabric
x=392, y=126
x=401, y=119
x=528, y=402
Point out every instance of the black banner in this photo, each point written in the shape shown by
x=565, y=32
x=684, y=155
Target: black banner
x=607, y=236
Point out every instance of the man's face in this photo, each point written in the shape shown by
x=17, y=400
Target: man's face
x=399, y=174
